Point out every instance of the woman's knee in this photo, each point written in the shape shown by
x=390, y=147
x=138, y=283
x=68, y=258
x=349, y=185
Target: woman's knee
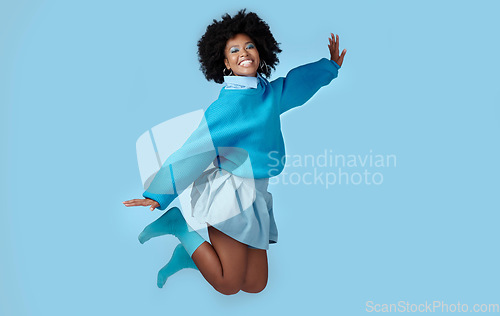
x=228, y=287
x=256, y=285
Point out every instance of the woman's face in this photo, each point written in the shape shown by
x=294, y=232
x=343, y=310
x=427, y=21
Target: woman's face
x=242, y=56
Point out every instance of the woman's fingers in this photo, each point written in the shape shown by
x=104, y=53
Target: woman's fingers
x=337, y=44
x=154, y=205
x=334, y=46
x=131, y=202
x=334, y=43
x=142, y=202
x=139, y=202
x=342, y=57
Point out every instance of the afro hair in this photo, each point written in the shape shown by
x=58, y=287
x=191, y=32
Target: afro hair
x=212, y=44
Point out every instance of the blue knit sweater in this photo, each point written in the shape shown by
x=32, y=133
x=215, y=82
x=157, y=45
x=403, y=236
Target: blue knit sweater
x=241, y=131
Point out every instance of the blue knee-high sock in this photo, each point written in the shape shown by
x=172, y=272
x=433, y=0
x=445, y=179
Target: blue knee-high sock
x=172, y=222
x=180, y=260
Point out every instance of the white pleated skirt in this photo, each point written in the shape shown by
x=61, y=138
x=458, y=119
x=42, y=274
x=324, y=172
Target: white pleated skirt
x=241, y=208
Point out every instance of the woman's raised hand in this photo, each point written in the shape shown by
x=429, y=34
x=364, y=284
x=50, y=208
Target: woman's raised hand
x=142, y=202
x=334, y=50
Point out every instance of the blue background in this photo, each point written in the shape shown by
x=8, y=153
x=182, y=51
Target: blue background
x=81, y=80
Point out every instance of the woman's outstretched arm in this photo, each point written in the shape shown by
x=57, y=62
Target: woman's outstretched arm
x=301, y=83
x=179, y=170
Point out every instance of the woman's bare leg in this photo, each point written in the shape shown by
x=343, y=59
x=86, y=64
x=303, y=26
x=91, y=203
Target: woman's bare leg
x=257, y=269
x=224, y=263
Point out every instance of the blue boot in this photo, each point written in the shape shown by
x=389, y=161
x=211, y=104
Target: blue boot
x=173, y=223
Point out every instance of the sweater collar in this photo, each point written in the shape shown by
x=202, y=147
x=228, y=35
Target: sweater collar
x=241, y=82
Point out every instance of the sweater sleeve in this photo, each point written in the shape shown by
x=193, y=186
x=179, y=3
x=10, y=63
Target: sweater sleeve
x=183, y=167
x=216, y=135
x=301, y=83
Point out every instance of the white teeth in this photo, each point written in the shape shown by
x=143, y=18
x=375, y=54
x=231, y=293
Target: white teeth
x=245, y=62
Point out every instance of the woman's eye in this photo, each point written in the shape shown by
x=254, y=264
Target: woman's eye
x=234, y=50
x=250, y=46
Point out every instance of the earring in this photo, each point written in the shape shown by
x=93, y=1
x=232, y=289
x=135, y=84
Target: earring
x=224, y=72
x=262, y=65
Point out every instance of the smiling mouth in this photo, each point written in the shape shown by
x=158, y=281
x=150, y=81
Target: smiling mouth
x=246, y=62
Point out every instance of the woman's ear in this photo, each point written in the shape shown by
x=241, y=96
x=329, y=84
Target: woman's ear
x=226, y=62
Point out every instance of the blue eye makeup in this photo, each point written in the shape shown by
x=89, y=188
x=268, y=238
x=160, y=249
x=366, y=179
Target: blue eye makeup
x=236, y=49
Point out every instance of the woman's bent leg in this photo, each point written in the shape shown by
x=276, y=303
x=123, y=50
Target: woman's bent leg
x=257, y=270
x=224, y=263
